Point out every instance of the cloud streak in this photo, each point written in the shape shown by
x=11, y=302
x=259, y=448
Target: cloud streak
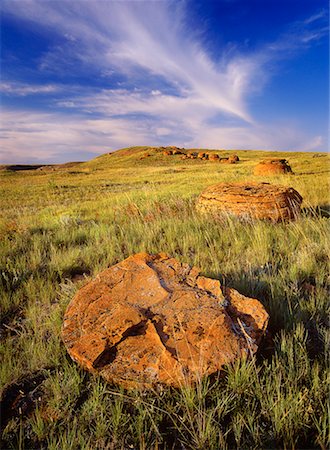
x=21, y=89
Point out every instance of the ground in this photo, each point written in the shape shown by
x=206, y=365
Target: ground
x=60, y=226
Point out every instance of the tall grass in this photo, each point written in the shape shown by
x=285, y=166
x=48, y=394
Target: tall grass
x=58, y=230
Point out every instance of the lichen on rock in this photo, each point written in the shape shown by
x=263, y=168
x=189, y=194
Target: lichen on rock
x=151, y=319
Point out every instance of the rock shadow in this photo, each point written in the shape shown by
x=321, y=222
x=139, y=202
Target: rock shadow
x=317, y=211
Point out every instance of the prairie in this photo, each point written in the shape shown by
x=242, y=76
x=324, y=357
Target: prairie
x=59, y=227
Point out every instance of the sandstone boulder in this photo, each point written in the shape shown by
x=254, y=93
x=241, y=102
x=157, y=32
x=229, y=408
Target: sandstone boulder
x=151, y=319
x=201, y=155
x=228, y=160
x=233, y=158
x=251, y=201
x=213, y=157
x=272, y=167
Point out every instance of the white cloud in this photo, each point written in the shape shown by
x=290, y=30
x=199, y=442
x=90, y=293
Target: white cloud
x=21, y=89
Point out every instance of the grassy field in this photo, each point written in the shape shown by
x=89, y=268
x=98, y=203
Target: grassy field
x=60, y=228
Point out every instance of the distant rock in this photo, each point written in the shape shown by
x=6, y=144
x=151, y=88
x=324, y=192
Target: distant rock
x=151, y=319
x=167, y=151
x=145, y=155
x=251, y=201
x=229, y=160
x=272, y=167
x=213, y=157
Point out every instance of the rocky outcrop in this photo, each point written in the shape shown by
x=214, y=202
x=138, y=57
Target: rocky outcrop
x=213, y=157
x=151, y=319
x=251, y=201
x=272, y=167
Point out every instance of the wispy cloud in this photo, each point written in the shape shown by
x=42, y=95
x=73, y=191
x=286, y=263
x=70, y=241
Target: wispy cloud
x=21, y=89
x=165, y=88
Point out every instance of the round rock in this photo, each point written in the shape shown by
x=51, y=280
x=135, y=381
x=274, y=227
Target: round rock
x=272, y=167
x=251, y=201
x=151, y=319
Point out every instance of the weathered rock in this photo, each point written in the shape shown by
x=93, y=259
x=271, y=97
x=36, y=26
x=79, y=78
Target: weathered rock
x=167, y=152
x=251, y=201
x=146, y=155
x=272, y=167
x=233, y=158
x=201, y=155
x=151, y=319
x=213, y=157
x=228, y=160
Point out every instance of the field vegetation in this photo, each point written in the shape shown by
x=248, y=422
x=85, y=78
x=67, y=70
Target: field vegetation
x=59, y=228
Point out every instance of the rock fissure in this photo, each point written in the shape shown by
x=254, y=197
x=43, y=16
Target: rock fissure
x=109, y=353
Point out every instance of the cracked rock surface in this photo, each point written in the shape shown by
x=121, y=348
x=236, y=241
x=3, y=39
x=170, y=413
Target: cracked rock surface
x=151, y=319
x=251, y=201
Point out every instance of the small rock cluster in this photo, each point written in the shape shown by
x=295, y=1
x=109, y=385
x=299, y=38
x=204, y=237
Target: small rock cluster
x=168, y=151
x=151, y=319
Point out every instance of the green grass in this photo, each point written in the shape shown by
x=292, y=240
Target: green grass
x=58, y=229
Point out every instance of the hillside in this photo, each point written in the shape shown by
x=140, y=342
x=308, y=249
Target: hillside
x=59, y=228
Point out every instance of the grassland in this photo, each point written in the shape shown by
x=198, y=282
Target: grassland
x=60, y=228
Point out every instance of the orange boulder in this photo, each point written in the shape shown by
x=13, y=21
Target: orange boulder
x=272, y=167
x=251, y=201
x=151, y=319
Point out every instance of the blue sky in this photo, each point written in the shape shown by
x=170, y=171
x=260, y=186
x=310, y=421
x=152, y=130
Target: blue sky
x=81, y=78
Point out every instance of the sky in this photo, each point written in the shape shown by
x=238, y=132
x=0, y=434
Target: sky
x=82, y=78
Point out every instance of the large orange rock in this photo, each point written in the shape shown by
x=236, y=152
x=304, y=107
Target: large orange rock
x=272, y=167
x=251, y=201
x=151, y=319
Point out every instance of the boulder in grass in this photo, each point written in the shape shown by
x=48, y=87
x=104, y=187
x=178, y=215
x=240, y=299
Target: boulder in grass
x=229, y=160
x=151, y=319
x=251, y=201
x=273, y=167
x=233, y=158
x=201, y=155
x=213, y=157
